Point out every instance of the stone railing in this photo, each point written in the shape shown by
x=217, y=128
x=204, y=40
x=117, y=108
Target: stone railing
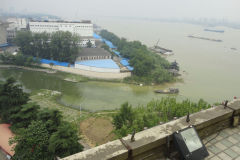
x=156, y=142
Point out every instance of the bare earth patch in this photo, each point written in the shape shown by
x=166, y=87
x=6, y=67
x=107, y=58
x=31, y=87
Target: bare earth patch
x=97, y=130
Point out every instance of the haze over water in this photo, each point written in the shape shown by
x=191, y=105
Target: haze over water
x=212, y=68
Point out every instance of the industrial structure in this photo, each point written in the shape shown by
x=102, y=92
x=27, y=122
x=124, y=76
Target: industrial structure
x=84, y=29
x=93, y=54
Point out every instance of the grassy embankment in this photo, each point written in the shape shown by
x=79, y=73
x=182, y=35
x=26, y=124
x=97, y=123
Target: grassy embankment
x=94, y=127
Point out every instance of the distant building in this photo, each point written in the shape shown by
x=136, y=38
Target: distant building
x=84, y=29
x=3, y=33
x=15, y=24
x=93, y=54
x=18, y=23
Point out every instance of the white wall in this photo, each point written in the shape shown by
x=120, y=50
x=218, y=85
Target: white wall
x=95, y=69
x=84, y=41
x=91, y=74
x=82, y=29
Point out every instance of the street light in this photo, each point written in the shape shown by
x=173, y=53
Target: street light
x=189, y=144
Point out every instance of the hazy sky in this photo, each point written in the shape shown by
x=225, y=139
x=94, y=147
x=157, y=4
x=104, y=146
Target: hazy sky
x=219, y=9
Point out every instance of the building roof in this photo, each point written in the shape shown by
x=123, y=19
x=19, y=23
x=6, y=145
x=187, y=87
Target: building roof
x=101, y=63
x=224, y=145
x=93, y=52
x=5, y=135
x=87, y=37
x=47, y=61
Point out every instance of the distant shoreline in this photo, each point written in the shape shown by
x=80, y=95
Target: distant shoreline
x=27, y=68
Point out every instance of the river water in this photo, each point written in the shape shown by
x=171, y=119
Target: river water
x=212, y=69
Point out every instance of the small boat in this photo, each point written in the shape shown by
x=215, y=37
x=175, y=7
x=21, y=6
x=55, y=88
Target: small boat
x=168, y=91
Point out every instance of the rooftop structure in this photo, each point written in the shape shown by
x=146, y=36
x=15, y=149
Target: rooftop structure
x=103, y=65
x=124, y=61
x=47, y=61
x=214, y=126
x=93, y=53
x=225, y=146
x=5, y=135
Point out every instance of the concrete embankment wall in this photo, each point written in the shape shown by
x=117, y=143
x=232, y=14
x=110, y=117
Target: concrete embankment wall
x=90, y=74
x=156, y=142
x=96, y=69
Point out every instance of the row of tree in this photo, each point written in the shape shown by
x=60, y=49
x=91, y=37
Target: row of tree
x=148, y=67
x=19, y=59
x=40, y=133
x=129, y=119
x=60, y=46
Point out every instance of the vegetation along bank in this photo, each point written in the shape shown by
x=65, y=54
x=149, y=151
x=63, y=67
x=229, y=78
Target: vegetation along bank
x=148, y=67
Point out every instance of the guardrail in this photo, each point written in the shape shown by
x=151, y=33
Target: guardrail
x=156, y=142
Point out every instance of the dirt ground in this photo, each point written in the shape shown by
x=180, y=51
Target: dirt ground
x=97, y=130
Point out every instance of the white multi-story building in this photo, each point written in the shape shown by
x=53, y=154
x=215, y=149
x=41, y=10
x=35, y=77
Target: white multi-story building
x=83, y=29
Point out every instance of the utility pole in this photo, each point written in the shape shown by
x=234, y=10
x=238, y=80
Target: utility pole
x=80, y=109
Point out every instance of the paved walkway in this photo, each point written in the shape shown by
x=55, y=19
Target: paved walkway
x=226, y=146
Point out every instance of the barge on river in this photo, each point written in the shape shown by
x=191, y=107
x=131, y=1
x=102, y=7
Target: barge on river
x=161, y=50
x=204, y=38
x=168, y=91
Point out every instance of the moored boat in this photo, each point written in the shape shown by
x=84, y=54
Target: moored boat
x=168, y=91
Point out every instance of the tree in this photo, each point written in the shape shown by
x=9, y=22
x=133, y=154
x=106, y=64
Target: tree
x=51, y=65
x=52, y=118
x=11, y=98
x=19, y=59
x=24, y=39
x=156, y=111
x=89, y=44
x=60, y=46
x=124, y=117
x=64, y=141
x=106, y=47
x=25, y=116
x=32, y=143
x=147, y=66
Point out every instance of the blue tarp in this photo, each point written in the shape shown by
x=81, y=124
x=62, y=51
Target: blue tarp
x=117, y=53
x=47, y=61
x=97, y=36
x=129, y=68
x=4, y=45
x=110, y=45
x=101, y=63
x=124, y=61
